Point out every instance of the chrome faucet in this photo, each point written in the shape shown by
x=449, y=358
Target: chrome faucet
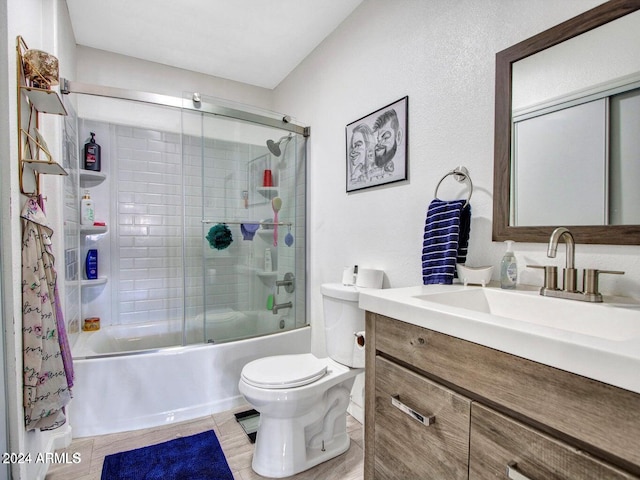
x=569, y=273
x=278, y=306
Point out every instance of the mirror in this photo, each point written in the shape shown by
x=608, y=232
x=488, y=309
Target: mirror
x=503, y=226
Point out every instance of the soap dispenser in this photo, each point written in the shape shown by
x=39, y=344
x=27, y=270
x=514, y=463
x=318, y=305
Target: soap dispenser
x=508, y=268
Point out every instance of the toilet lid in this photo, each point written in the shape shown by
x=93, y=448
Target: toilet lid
x=284, y=371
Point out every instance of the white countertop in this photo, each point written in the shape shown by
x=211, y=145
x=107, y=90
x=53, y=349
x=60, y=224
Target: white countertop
x=612, y=360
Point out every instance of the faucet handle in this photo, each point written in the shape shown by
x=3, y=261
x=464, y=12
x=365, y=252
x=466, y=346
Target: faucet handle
x=550, y=276
x=590, y=279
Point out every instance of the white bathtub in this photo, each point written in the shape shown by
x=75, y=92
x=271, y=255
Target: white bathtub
x=222, y=325
x=115, y=391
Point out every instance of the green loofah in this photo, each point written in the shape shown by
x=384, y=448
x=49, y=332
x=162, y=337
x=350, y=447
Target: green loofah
x=219, y=236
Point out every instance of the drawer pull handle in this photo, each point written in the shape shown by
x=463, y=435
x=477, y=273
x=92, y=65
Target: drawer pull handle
x=424, y=419
x=513, y=473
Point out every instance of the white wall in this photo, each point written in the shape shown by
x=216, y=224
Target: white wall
x=98, y=67
x=441, y=53
x=44, y=25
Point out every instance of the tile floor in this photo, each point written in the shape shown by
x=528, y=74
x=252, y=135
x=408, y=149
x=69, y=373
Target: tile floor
x=234, y=442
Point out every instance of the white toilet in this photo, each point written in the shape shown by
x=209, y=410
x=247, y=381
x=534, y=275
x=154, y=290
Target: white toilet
x=303, y=399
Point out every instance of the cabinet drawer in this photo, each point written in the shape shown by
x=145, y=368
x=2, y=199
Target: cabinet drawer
x=406, y=448
x=498, y=441
x=601, y=417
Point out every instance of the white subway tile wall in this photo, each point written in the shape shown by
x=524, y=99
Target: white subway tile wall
x=162, y=186
x=67, y=279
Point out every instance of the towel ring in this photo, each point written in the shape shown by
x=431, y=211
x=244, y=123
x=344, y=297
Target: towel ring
x=460, y=174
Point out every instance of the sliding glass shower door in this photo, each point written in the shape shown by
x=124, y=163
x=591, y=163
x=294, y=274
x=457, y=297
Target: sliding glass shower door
x=244, y=200
x=185, y=201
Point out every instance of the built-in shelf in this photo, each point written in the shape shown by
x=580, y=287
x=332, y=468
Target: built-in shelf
x=93, y=229
x=263, y=274
x=90, y=179
x=93, y=283
x=268, y=192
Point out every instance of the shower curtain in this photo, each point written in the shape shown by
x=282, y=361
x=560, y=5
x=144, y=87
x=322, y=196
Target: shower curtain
x=46, y=386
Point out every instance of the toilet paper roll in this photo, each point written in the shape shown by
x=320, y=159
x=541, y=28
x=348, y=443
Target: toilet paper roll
x=358, y=349
x=369, y=278
x=347, y=275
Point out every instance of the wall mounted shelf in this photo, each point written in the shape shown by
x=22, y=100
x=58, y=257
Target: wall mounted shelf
x=44, y=101
x=32, y=147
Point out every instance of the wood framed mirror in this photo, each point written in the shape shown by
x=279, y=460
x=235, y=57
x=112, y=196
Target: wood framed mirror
x=503, y=228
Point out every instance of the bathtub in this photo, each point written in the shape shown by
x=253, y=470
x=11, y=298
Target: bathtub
x=128, y=377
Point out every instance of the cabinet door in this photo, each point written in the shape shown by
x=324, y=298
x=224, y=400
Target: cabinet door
x=407, y=447
x=504, y=448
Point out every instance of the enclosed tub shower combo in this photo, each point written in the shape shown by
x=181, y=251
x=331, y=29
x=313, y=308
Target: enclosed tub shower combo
x=199, y=229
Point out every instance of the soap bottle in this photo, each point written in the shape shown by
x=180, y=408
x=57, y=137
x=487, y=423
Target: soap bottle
x=92, y=154
x=268, y=261
x=87, y=213
x=91, y=264
x=508, y=268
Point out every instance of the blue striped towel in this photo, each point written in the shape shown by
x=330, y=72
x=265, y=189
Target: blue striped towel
x=445, y=241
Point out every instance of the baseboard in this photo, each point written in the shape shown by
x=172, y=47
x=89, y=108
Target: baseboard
x=356, y=411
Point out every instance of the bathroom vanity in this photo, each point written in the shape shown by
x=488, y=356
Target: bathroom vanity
x=446, y=398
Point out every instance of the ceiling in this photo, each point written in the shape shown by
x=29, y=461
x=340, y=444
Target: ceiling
x=258, y=42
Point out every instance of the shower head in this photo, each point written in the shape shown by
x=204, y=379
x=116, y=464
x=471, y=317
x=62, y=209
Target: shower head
x=274, y=147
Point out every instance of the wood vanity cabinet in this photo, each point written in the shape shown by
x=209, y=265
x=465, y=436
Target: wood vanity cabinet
x=438, y=407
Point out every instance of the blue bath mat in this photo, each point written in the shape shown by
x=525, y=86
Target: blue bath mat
x=197, y=457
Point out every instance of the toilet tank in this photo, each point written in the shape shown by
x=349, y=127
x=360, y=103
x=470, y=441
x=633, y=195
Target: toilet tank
x=342, y=318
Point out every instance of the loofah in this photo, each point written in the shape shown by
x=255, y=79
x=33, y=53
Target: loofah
x=219, y=236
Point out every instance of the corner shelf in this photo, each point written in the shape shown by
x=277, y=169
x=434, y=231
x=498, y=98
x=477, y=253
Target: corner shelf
x=89, y=178
x=93, y=229
x=268, y=275
x=268, y=192
x=93, y=283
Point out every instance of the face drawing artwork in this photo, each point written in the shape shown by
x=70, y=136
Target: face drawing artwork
x=361, y=152
x=376, y=147
x=388, y=135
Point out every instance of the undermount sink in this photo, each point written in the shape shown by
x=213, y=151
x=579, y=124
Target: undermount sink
x=602, y=320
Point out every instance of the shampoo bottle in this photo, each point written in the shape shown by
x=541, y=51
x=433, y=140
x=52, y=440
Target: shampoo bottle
x=87, y=213
x=92, y=154
x=91, y=264
x=508, y=268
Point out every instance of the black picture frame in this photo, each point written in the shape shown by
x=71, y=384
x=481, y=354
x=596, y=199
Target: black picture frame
x=376, y=147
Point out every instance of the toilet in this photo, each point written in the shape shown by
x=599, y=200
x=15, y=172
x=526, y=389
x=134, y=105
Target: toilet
x=303, y=399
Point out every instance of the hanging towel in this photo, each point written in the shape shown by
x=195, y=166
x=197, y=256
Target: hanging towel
x=45, y=386
x=445, y=241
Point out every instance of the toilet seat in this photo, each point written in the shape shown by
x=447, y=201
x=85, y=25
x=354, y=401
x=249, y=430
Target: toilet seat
x=284, y=371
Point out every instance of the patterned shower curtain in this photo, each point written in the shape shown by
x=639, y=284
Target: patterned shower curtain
x=45, y=347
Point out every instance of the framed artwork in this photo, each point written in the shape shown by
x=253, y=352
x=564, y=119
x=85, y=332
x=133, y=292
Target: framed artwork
x=377, y=147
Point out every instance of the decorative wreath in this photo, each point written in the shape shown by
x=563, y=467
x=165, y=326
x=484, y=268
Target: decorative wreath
x=219, y=236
